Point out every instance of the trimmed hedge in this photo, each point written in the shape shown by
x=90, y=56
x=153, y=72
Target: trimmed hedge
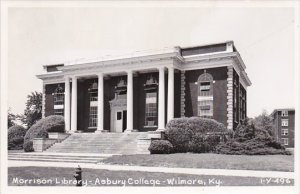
x=40, y=129
x=190, y=134
x=160, y=147
x=16, y=137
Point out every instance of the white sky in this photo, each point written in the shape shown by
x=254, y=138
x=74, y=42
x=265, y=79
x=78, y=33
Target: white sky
x=263, y=36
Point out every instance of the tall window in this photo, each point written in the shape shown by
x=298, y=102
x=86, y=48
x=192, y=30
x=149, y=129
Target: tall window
x=59, y=96
x=93, y=94
x=151, y=109
x=205, y=95
x=285, y=122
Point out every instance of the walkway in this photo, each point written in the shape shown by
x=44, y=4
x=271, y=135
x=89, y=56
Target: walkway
x=192, y=171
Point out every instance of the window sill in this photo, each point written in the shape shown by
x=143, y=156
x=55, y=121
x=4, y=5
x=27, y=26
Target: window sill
x=150, y=126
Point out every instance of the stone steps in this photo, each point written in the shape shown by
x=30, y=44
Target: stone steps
x=108, y=143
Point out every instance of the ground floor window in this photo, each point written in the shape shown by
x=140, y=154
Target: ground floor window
x=285, y=141
x=93, y=116
x=59, y=112
x=205, y=107
x=151, y=109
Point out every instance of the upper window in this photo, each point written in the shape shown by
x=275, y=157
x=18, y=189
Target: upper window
x=284, y=113
x=284, y=131
x=59, y=97
x=205, y=95
x=284, y=122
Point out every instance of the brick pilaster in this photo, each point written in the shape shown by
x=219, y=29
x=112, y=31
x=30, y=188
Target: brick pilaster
x=230, y=98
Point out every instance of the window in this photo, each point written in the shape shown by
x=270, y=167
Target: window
x=151, y=109
x=93, y=96
x=285, y=141
x=284, y=132
x=284, y=113
x=284, y=122
x=59, y=96
x=59, y=112
x=93, y=116
x=205, y=95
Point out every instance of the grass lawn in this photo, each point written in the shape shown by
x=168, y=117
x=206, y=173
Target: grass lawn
x=54, y=176
x=219, y=161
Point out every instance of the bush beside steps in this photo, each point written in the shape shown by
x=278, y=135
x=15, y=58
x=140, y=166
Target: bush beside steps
x=40, y=129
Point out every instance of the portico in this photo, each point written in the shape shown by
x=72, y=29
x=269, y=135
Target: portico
x=71, y=100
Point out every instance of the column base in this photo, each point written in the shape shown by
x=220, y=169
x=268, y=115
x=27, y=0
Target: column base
x=71, y=132
x=101, y=131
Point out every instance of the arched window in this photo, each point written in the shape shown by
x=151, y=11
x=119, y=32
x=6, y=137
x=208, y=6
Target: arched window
x=59, y=100
x=93, y=93
x=205, y=95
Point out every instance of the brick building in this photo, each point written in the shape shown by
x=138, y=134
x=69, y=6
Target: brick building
x=284, y=126
x=142, y=91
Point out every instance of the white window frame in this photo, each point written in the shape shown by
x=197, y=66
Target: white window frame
x=285, y=141
x=151, y=109
x=284, y=113
x=58, y=100
x=284, y=122
x=284, y=132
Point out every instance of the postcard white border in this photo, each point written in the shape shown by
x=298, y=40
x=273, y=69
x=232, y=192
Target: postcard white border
x=5, y=5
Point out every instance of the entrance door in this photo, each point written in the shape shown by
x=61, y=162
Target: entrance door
x=119, y=121
x=124, y=119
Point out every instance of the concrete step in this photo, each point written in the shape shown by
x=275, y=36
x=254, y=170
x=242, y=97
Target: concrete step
x=109, y=143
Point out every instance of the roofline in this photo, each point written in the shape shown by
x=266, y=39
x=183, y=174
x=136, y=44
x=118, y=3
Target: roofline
x=208, y=44
x=281, y=109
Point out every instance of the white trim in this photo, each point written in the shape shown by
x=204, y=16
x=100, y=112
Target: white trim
x=59, y=106
x=93, y=103
x=205, y=98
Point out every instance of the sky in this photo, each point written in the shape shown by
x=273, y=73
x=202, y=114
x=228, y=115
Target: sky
x=47, y=35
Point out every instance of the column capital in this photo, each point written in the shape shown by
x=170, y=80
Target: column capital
x=161, y=68
x=100, y=74
x=129, y=71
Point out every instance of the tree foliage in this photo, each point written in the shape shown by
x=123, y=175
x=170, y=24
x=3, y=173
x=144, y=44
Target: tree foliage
x=11, y=118
x=33, y=110
x=264, y=122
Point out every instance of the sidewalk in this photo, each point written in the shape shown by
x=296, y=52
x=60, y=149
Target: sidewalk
x=192, y=171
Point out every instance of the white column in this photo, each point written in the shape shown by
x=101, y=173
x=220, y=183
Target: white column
x=170, y=93
x=74, y=105
x=67, y=104
x=161, y=99
x=129, y=101
x=100, y=113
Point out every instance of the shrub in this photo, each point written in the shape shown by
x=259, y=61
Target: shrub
x=41, y=128
x=28, y=146
x=160, y=147
x=189, y=134
x=16, y=137
x=203, y=143
x=179, y=133
x=250, y=141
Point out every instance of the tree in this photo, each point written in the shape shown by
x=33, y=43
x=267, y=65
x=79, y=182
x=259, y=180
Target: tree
x=10, y=118
x=33, y=110
x=264, y=122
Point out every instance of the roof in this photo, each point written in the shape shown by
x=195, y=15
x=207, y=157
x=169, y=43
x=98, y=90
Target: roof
x=282, y=109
